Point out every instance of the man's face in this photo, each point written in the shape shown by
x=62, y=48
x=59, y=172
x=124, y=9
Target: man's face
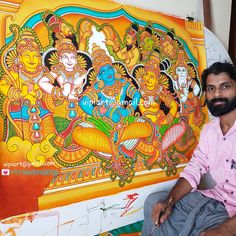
x=182, y=73
x=150, y=79
x=128, y=39
x=147, y=45
x=30, y=59
x=168, y=48
x=69, y=60
x=220, y=94
x=107, y=74
x=66, y=30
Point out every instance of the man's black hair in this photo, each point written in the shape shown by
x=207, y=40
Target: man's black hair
x=217, y=68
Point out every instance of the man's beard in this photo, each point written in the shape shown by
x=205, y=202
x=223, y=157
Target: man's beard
x=220, y=110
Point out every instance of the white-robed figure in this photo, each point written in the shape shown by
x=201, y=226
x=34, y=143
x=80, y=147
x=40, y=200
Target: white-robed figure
x=69, y=76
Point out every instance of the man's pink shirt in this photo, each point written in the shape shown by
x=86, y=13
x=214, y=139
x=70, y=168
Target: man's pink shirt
x=215, y=155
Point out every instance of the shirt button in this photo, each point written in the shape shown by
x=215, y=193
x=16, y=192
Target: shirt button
x=232, y=192
x=227, y=180
x=227, y=160
x=225, y=201
x=224, y=139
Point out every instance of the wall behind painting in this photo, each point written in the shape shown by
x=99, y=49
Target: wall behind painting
x=220, y=12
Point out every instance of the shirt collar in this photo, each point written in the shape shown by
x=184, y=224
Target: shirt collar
x=218, y=129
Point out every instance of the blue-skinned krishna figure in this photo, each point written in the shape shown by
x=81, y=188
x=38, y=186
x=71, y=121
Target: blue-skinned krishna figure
x=111, y=124
x=109, y=91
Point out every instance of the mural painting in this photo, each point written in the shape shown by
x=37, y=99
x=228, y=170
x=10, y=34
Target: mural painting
x=96, y=100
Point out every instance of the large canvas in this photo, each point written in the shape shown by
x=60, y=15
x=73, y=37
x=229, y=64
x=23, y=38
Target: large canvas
x=101, y=104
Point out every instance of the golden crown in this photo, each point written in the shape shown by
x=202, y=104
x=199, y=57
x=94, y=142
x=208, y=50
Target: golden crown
x=100, y=58
x=55, y=24
x=65, y=45
x=181, y=59
x=27, y=42
x=153, y=64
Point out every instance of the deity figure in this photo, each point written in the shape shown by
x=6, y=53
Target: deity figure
x=25, y=104
x=69, y=76
x=169, y=45
x=149, y=40
x=63, y=86
x=159, y=105
x=129, y=54
x=84, y=33
x=59, y=28
x=188, y=89
x=108, y=127
x=154, y=94
x=106, y=98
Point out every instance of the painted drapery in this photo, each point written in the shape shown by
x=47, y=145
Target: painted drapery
x=96, y=99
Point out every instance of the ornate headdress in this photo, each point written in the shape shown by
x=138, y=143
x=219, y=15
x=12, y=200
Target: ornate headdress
x=100, y=58
x=65, y=45
x=27, y=42
x=170, y=38
x=146, y=33
x=181, y=59
x=133, y=31
x=153, y=64
x=54, y=23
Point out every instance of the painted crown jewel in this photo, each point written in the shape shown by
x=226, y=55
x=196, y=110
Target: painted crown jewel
x=27, y=42
x=65, y=45
x=153, y=64
x=100, y=58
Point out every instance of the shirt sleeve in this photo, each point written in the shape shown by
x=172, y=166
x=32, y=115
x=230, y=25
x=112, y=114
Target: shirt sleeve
x=199, y=163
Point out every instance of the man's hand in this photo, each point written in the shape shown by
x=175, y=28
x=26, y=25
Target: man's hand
x=109, y=42
x=161, y=212
x=86, y=30
x=113, y=43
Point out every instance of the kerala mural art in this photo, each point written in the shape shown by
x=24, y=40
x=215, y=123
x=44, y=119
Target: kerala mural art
x=96, y=100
